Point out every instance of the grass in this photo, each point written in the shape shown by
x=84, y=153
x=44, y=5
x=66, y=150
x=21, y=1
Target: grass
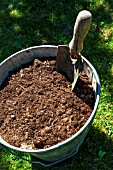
x=25, y=23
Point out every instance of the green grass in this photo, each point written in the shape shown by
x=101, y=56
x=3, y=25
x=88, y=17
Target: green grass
x=25, y=23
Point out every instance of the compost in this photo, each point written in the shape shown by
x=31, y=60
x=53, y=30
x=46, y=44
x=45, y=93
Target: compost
x=38, y=108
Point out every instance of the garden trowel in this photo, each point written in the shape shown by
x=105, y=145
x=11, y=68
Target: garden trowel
x=69, y=60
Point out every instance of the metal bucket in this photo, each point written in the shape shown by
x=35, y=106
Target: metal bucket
x=69, y=147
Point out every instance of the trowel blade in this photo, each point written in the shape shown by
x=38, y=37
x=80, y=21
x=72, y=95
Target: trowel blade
x=78, y=68
x=64, y=63
x=66, y=66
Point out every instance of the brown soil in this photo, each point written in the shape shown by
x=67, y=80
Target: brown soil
x=38, y=109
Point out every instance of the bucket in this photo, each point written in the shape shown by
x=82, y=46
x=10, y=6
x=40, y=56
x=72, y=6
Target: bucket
x=69, y=147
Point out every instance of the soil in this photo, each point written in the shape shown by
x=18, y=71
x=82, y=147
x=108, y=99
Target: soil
x=38, y=108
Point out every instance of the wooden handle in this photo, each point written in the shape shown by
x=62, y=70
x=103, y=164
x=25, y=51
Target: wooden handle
x=81, y=29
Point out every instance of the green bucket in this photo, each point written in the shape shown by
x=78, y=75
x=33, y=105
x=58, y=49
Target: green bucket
x=69, y=147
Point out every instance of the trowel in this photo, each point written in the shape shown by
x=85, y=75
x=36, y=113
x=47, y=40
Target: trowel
x=69, y=60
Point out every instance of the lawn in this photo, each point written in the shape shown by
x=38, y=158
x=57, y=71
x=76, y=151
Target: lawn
x=26, y=23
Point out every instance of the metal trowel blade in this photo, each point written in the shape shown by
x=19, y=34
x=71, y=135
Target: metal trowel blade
x=78, y=68
x=64, y=63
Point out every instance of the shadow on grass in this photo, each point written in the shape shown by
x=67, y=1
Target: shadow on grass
x=87, y=157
